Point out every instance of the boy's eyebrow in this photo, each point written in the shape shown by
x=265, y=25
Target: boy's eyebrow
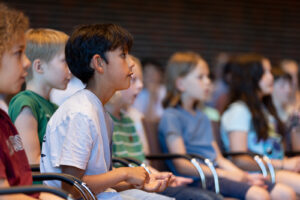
x=21, y=46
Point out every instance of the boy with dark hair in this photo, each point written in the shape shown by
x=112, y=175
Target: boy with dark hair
x=78, y=136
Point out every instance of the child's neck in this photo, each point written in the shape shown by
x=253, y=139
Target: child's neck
x=102, y=90
x=114, y=110
x=39, y=88
x=188, y=104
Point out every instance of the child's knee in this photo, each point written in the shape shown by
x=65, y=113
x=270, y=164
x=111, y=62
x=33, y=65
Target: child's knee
x=281, y=191
x=256, y=192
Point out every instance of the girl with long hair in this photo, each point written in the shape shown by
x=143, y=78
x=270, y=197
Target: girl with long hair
x=251, y=123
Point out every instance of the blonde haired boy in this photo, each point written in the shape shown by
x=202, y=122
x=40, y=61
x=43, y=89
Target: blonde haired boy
x=30, y=110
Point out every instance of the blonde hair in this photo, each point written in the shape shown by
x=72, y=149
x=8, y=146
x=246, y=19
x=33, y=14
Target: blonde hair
x=44, y=44
x=179, y=65
x=12, y=24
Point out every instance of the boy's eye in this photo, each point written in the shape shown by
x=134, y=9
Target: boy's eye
x=123, y=55
x=19, y=52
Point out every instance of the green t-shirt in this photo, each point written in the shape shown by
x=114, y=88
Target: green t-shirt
x=126, y=142
x=41, y=108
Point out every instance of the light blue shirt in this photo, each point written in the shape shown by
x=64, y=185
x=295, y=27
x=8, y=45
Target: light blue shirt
x=238, y=118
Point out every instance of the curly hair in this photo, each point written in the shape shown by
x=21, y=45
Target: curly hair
x=12, y=24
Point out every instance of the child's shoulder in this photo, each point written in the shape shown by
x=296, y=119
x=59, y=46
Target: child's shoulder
x=238, y=107
x=82, y=102
x=24, y=95
x=172, y=110
x=236, y=112
x=22, y=99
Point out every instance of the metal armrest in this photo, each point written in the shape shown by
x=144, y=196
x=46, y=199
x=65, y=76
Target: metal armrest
x=212, y=169
x=35, y=189
x=259, y=159
x=176, y=156
x=132, y=160
x=121, y=161
x=35, y=168
x=82, y=188
x=271, y=169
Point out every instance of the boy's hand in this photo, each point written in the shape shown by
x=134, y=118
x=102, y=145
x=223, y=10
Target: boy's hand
x=180, y=181
x=137, y=176
x=159, y=181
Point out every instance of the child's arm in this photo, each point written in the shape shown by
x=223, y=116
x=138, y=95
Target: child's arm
x=223, y=162
x=238, y=143
x=176, y=145
x=27, y=127
x=98, y=183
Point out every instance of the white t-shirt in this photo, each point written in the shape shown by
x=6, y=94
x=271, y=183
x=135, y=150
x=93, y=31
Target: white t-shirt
x=79, y=134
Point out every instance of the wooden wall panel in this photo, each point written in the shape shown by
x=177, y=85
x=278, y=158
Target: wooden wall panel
x=161, y=27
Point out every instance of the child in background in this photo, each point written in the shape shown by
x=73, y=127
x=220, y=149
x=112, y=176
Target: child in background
x=78, y=136
x=30, y=110
x=281, y=99
x=291, y=67
x=149, y=101
x=251, y=123
x=185, y=129
x=14, y=167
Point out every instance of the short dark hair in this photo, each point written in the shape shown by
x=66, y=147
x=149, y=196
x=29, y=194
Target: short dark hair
x=88, y=40
x=153, y=62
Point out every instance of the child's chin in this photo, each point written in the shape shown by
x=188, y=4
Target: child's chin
x=124, y=87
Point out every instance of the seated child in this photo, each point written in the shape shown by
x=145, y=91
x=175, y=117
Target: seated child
x=251, y=123
x=30, y=110
x=78, y=135
x=14, y=167
x=149, y=101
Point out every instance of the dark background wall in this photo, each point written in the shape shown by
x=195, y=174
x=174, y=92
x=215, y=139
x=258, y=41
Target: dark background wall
x=161, y=27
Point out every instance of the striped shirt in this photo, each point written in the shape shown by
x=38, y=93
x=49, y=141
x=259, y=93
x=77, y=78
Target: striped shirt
x=126, y=142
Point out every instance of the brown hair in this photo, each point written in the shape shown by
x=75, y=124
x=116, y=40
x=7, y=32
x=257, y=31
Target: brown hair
x=12, y=24
x=179, y=65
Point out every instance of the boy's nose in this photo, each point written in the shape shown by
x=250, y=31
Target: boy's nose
x=130, y=63
x=26, y=62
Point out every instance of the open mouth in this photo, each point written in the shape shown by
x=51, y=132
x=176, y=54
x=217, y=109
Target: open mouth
x=130, y=75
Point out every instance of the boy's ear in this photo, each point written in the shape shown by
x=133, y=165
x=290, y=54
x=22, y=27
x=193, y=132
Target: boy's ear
x=97, y=63
x=179, y=84
x=37, y=66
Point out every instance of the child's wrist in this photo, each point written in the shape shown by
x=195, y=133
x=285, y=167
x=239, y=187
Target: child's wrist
x=281, y=167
